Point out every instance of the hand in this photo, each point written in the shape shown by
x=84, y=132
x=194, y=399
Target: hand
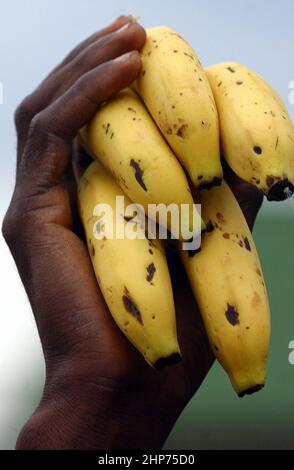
x=99, y=392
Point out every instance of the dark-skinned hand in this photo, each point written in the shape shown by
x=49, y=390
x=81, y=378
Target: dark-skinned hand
x=99, y=393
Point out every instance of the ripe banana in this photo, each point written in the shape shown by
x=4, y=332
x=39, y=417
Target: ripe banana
x=229, y=288
x=132, y=273
x=177, y=94
x=123, y=136
x=257, y=134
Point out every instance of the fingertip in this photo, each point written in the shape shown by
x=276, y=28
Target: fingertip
x=126, y=19
x=132, y=36
x=123, y=20
x=120, y=21
x=139, y=34
x=131, y=63
x=136, y=62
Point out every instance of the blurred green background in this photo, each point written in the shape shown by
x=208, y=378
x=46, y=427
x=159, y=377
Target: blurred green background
x=216, y=418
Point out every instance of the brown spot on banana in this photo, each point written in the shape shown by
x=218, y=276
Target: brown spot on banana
x=151, y=243
x=277, y=142
x=220, y=217
x=182, y=131
x=128, y=218
x=150, y=272
x=131, y=306
x=247, y=244
x=255, y=299
x=258, y=272
x=232, y=315
x=98, y=228
x=92, y=251
x=138, y=173
x=106, y=127
x=188, y=55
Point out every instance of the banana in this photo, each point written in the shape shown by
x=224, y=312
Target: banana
x=228, y=284
x=123, y=136
x=257, y=134
x=132, y=273
x=177, y=94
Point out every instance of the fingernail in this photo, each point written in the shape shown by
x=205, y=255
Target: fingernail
x=123, y=28
x=125, y=57
x=134, y=19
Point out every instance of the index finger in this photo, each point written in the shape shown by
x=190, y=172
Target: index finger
x=48, y=89
x=49, y=143
x=118, y=23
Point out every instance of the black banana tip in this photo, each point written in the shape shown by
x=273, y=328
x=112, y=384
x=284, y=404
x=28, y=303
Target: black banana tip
x=167, y=361
x=280, y=191
x=251, y=390
x=216, y=181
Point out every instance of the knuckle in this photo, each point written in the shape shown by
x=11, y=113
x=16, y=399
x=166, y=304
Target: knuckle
x=17, y=226
x=47, y=130
x=9, y=230
x=24, y=112
x=41, y=129
x=38, y=124
x=44, y=123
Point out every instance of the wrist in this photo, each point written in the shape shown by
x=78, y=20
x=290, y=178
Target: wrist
x=102, y=414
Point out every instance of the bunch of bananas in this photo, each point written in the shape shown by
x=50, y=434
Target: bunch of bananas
x=173, y=118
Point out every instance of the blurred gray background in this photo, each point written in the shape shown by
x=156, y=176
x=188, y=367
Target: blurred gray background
x=34, y=36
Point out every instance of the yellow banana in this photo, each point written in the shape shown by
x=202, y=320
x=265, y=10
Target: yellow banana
x=123, y=136
x=132, y=273
x=228, y=285
x=177, y=94
x=257, y=134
